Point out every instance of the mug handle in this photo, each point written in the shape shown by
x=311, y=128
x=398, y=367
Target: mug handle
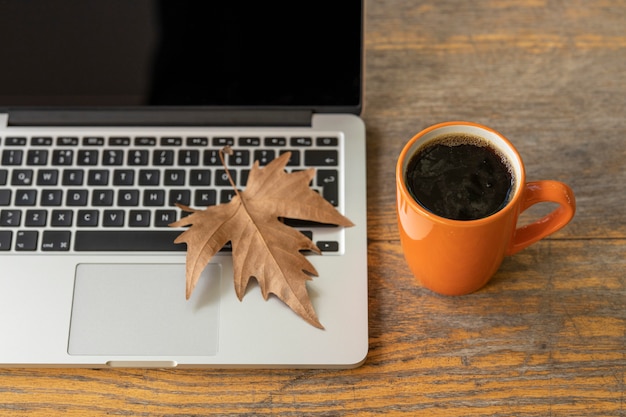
x=538, y=192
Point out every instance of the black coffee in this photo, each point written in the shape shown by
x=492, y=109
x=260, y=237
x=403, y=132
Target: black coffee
x=460, y=177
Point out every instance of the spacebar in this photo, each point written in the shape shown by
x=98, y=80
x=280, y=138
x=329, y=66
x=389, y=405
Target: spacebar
x=127, y=240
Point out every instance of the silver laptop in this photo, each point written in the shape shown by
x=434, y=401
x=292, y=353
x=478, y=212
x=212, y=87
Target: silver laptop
x=111, y=112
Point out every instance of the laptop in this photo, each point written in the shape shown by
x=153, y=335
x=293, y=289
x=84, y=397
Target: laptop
x=111, y=112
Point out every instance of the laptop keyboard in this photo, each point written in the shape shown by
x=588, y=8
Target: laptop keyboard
x=118, y=193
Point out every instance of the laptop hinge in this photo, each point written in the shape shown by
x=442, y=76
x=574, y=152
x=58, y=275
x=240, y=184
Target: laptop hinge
x=157, y=117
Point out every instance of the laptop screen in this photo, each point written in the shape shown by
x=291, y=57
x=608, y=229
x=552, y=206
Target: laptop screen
x=120, y=53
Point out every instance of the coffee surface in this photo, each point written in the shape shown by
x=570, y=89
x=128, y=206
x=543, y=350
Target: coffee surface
x=460, y=177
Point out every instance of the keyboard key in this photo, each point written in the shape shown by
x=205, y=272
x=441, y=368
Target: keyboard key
x=321, y=158
x=98, y=177
x=113, y=218
x=87, y=218
x=41, y=141
x=163, y=218
x=226, y=196
x=26, y=240
x=328, y=246
x=15, y=141
x=127, y=198
x=301, y=141
x=223, y=141
x=249, y=141
x=243, y=181
x=102, y=198
x=188, y=157
x=203, y=198
x=10, y=218
x=87, y=157
x=5, y=240
x=139, y=218
x=112, y=157
x=73, y=176
x=294, y=160
x=5, y=197
x=138, y=157
x=264, y=156
x=35, y=218
x=63, y=157
x=211, y=158
x=197, y=141
x=239, y=158
x=174, y=177
x=275, y=141
x=47, y=177
x=180, y=196
x=123, y=177
x=37, y=157
x=51, y=197
x=3, y=176
x=93, y=141
x=328, y=180
x=163, y=157
x=12, y=157
x=327, y=141
x=221, y=177
x=56, y=240
x=76, y=198
x=25, y=197
x=61, y=218
x=22, y=177
x=153, y=198
x=306, y=223
x=149, y=177
x=200, y=177
x=145, y=141
x=67, y=141
x=119, y=141
x=171, y=141
x=127, y=240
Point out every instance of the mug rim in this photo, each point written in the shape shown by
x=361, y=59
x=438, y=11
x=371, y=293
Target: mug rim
x=402, y=188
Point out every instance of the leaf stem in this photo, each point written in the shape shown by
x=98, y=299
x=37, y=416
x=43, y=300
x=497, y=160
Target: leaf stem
x=227, y=149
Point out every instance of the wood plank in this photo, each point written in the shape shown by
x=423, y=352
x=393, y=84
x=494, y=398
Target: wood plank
x=547, y=336
x=544, y=338
x=545, y=74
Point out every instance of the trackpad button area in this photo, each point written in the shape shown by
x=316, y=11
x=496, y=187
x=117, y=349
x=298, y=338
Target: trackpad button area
x=140, y=309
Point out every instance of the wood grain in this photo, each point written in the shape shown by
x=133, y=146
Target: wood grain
x=547, y=336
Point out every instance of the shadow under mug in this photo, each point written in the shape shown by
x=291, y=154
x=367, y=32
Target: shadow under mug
x=457, y=257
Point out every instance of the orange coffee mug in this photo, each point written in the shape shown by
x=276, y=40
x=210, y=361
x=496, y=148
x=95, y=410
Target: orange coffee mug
x=456, y=257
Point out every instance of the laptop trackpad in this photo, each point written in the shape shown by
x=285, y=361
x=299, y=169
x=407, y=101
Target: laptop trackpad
x=140, y=309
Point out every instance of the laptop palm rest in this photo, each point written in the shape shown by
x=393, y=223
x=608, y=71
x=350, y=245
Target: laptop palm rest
x=141, y=310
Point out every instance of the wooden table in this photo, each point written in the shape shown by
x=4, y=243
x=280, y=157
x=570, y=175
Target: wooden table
x=547, y=337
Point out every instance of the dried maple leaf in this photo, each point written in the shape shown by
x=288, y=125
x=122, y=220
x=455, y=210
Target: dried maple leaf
x=263, y=246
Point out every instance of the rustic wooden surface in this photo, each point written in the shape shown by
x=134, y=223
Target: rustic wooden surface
x=547, y=337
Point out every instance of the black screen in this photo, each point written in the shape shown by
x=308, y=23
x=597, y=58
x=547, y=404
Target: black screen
x=111, y=53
